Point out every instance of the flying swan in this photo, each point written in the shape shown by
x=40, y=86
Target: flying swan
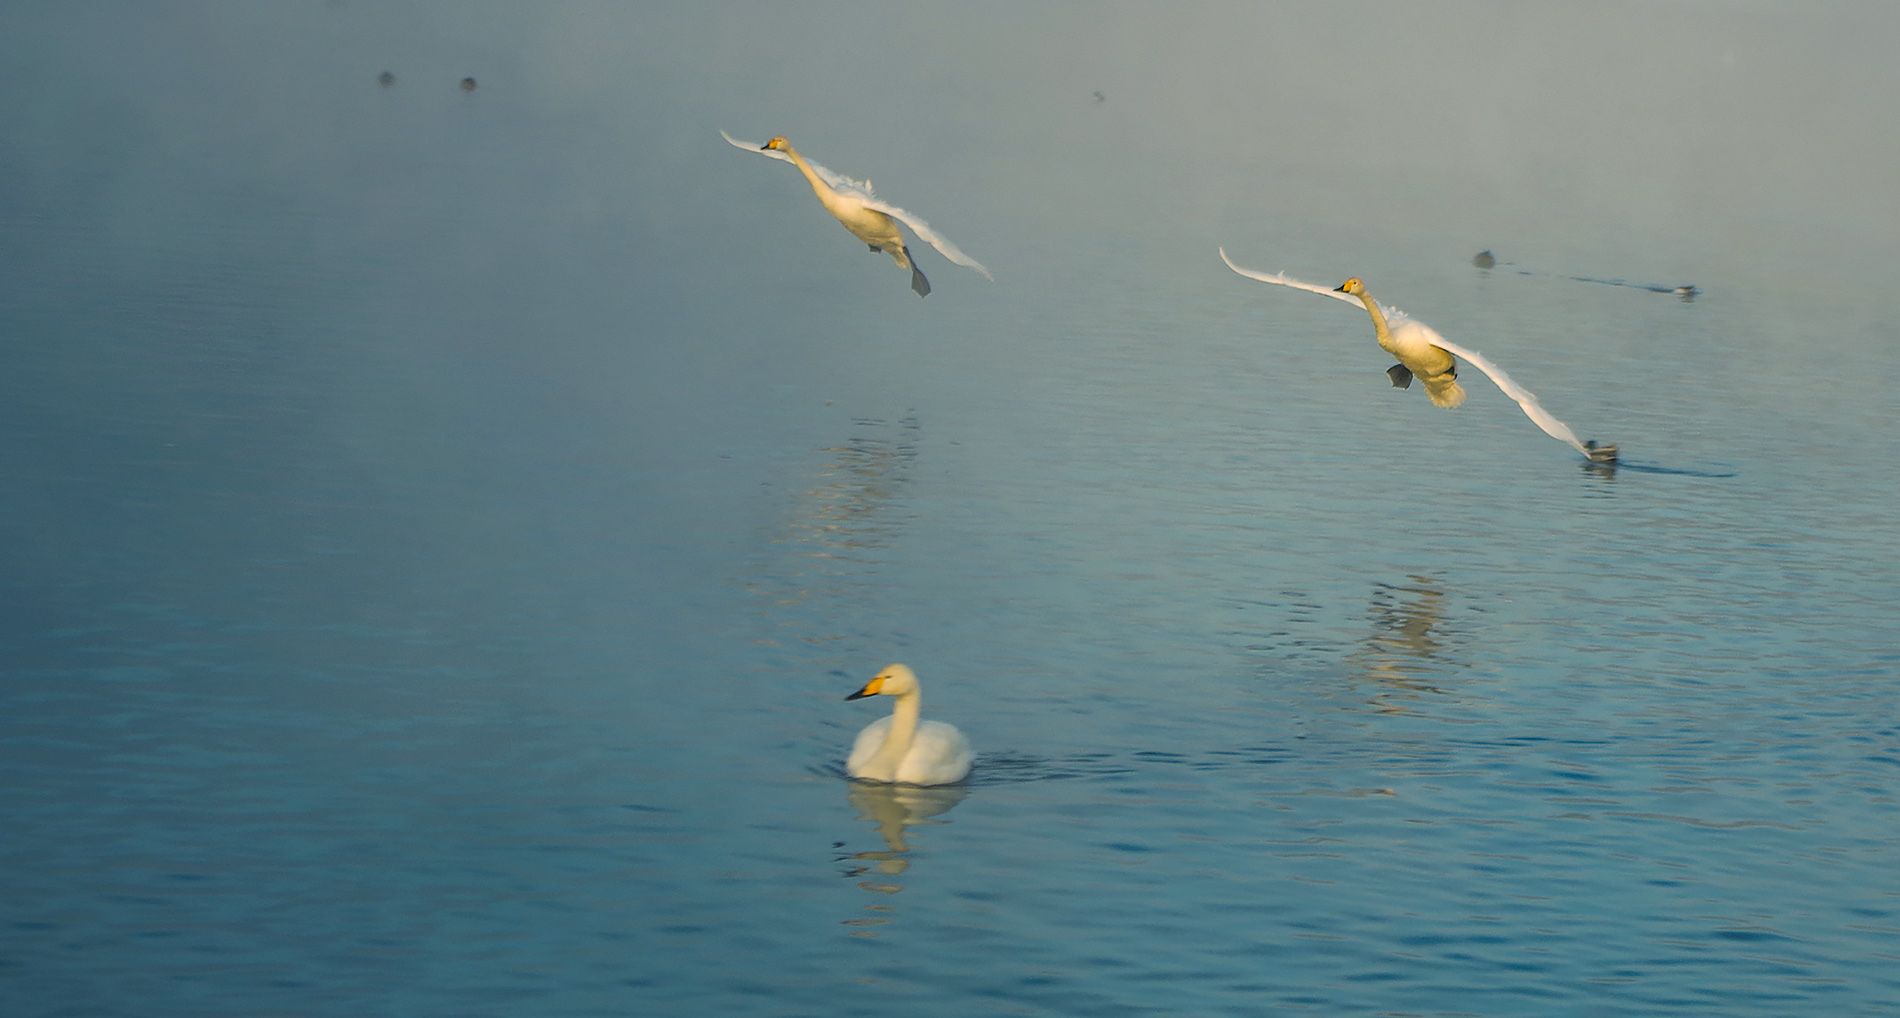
x=900, y=748
x=1423, y=352
x=860, y=211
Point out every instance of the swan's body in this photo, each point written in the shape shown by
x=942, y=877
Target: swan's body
x=1420, y=351
x=901, y=748
x=1409, y=340
x=861, y=212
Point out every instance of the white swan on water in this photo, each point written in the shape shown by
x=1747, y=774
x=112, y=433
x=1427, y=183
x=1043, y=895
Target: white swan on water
x=869, y=219
x=1423, y=352
x=900, y=747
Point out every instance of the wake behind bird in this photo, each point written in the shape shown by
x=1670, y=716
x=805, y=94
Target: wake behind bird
x=1685, y=293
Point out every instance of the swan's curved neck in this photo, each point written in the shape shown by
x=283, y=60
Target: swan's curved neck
x=817, y=183
x=1378, y=320
x=904, y=714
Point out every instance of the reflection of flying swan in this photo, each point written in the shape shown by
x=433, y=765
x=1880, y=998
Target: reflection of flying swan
x=1422, y=351
x=869, y=219
x=901, y=748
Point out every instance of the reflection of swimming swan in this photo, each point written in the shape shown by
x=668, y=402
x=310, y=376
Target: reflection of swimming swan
x=893, y=808
x=1412, y=343
x=1422, y=332
x=863, y=214
x=902, y=748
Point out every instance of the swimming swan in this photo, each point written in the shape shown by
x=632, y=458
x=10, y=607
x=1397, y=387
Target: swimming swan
x=900, y=748
x=868, y=218
x=1422, y=351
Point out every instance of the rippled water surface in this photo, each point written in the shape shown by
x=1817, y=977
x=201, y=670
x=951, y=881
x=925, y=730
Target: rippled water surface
x=440, y=525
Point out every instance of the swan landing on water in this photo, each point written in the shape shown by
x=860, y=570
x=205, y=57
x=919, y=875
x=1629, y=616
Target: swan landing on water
x=1423, y=352
x=1412, y=343
x=900, y=748
x=861, y=212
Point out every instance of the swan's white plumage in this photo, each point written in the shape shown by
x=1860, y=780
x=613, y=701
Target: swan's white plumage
x=859, y=192
x=1525, y=398
x=900, y=747
x=939, y=754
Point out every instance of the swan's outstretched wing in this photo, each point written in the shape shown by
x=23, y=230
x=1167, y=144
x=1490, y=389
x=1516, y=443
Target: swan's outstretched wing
x=861, y=190
x=838, y=181
x=924, y=232
x=1326, y=291
x=1525, y=398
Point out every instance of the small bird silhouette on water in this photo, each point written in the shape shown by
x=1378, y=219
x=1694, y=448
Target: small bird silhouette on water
x=468, y=84
x=385, y=79
x=1484, y=260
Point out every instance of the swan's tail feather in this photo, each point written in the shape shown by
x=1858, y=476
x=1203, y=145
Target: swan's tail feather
x=1444, y=390
x=1400, y=375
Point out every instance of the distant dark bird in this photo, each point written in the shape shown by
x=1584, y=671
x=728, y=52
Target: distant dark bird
x=1484, y=260
x=385, y=79
x=1599, y=453
x=1099, y=97
x=468, y=84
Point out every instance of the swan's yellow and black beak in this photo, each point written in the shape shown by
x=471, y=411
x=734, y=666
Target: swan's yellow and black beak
x=871, y=688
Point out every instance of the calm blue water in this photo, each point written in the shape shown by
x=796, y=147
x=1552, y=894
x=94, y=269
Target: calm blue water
x=440, y=526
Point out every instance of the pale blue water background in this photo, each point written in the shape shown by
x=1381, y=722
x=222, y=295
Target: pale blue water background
x=439, y=527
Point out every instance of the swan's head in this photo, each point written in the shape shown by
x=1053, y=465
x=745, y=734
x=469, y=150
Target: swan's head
x=776, y=143
x=894, y=680
x=1354, y=286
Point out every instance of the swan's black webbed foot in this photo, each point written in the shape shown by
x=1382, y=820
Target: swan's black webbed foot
x=918, y=282
x=1400, y=375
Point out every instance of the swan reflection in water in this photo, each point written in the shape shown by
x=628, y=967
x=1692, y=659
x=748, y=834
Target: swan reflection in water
x=1405, y=643
x=836, y=532
x=893, y=809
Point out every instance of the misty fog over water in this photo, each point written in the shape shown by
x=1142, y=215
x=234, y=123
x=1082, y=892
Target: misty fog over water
x=441, y=521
